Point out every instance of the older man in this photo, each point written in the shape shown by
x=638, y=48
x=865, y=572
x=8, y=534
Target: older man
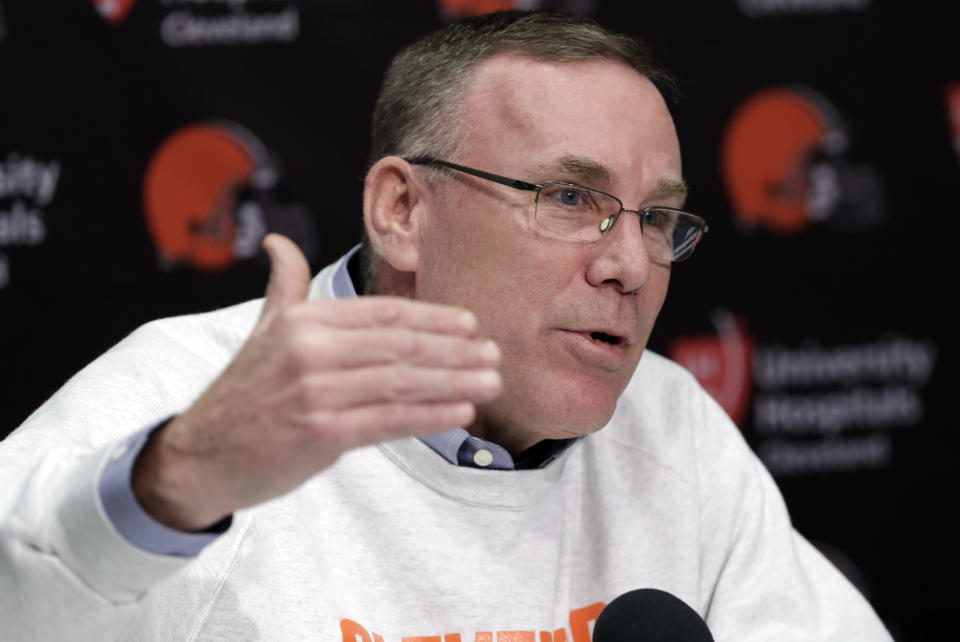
x=427, y=463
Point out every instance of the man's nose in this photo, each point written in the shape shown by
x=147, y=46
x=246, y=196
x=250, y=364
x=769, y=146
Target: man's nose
x=621, y=258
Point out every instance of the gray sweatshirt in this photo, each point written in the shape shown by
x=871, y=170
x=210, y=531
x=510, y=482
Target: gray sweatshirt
x=393, y=542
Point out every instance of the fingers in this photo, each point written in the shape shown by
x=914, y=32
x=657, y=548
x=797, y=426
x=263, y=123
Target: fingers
x=388, y=312
x=399, y=384
x=289, y=276
x=316, y=349
x=365, y=425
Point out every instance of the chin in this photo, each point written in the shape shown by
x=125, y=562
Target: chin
x=584, y=404
x=584, y=422
x=551, y=412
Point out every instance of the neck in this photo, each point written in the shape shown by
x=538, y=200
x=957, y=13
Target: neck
x=387, y=281
x=511, y=438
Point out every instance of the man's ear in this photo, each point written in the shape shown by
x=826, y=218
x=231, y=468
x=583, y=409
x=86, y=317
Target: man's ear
x=392, y=212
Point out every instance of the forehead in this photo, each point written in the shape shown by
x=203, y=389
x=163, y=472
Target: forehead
x=598, y=116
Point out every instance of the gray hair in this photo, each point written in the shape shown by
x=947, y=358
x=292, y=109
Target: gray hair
x=418, y=110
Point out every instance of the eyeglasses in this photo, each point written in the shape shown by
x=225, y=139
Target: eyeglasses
x=587, y=214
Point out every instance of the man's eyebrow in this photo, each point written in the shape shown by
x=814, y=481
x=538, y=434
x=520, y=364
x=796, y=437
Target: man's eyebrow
x=595, y=174
x=575, y=168
x=672, y=188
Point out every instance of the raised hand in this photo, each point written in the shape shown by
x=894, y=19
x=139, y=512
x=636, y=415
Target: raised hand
x=314, y=379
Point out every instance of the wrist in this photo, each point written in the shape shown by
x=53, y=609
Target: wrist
x=167, y=489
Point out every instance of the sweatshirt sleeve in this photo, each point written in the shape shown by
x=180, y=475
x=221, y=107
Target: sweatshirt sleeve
x=770, y=582
x=66, y=571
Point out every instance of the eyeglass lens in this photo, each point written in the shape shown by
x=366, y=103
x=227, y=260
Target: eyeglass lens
x=585, y=214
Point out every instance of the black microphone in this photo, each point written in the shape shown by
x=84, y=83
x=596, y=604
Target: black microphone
x=650, y=615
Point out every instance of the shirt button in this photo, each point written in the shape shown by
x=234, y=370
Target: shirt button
x=483, y=457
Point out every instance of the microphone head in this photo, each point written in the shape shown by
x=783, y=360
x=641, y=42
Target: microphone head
x=649, y=615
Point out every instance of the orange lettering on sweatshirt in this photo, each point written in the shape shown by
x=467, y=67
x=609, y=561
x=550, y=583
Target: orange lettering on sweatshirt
x=580, y=621
x=352, y=632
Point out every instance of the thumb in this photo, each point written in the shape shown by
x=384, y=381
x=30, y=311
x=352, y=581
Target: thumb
x=289, y=276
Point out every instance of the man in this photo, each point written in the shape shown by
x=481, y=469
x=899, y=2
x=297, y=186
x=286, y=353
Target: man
x=522, y=214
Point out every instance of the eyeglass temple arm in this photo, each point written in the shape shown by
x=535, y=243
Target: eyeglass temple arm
x=496, y=178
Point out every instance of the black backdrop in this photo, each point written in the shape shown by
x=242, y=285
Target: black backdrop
x=821, y=141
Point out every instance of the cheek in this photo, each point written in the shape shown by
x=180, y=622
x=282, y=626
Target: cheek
x=489, y=260
x=651, y=300
x=511, y=299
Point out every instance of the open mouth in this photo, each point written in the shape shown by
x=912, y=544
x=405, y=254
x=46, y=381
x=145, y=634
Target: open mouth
x=599, y=349
x=606, y=338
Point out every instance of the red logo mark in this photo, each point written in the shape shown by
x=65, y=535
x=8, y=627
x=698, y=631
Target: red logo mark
x=952, y=96
x=113, y=11
x=460, y=8
x=190, y=192
x=722, y=363
x=768, y=148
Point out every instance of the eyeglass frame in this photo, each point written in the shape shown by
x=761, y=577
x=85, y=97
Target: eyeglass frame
x=533, y=187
